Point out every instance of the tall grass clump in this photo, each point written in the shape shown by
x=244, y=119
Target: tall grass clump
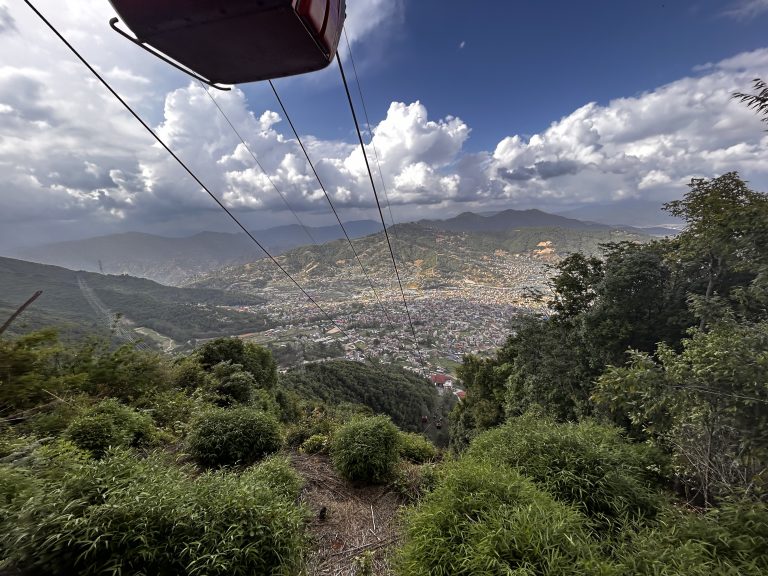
x=730, y=540
x=111, y=424
x=234, y=436
x=415, y=448
x=124, y=516
x=488, y=519
x=588, y=465
x=366, y=449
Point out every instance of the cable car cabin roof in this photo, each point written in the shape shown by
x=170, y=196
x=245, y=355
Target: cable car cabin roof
x=235, y=41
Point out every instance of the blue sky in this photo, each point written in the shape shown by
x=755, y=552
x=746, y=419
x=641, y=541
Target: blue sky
x=479, y=106
x=526, y=63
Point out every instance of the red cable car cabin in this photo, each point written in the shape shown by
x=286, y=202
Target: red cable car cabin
x=235, y=41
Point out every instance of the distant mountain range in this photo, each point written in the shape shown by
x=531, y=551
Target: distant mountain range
x=632, y=212
x=174, y=261
x=179, y=261
x=509, y=220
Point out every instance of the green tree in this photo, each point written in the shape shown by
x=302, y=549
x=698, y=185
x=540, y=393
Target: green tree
x=256, y=360
x=574, y=285
x=723, y=244
x=758, y=101
x=32, y=369
x=706, y=404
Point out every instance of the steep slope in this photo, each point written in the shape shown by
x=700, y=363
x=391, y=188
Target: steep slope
x=78, y=300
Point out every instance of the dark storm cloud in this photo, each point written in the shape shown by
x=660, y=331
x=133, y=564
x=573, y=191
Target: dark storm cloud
x=543, y=170
x=7, y=23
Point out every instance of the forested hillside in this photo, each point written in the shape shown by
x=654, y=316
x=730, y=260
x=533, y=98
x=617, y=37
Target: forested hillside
x=398, y=393
x=180, y=313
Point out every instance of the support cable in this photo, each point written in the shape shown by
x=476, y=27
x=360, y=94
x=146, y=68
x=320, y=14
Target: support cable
x=192, y=174
x=378, y=205
x=248, y=149
x=330, y=203
x=370, y=131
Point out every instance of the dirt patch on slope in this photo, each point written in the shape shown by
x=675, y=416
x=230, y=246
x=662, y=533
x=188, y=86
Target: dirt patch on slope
x=348, y=520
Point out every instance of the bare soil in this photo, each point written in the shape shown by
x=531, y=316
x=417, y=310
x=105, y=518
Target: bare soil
x=348, y=520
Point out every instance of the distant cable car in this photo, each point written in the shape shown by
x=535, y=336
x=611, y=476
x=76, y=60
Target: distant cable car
x=439, y=424
x=424, y=419
x=238, y=40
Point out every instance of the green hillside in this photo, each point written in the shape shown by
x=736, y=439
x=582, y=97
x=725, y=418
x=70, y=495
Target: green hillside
x=179, y=313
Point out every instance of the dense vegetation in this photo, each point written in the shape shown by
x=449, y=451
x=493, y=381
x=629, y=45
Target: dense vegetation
x=118, y=460
x=625, y=433
x=398, y=393
x=665, y=344
x=180, y=313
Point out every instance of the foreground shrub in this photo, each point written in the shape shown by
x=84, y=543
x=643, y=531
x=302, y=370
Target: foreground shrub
x=415, y=448
x=125, y=516
x=413, y=481
x=174, y=410
x=318, y=422
x=235, y=436
x=585, y=464
x=366, y=449
x=110, y=424
x=729, y=540
x=487, y=519
x=315, y=444
x=54, y=420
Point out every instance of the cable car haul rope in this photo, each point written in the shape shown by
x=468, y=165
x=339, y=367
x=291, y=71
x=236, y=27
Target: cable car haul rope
x=244, y=42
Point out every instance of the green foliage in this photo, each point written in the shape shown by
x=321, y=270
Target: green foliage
x=706, y=404
x=255, y=360
x=315, y=444
x=364, y=564
x=126, y=516
x=413, y=481
x=235, y=386
x=574, y=285
x=415, y=448
x=188, y=374
x=757, y=101
x=234, y=436
x=31, y=371
x=110, y=424
x=396, y=392
x=587, y=465
x=484, y=381
x=365, y=449
x=728, y=541
x=126, y=373
x=485, y=518
x=53, y=419
x=319, y=421
x=174, y=410
x=723, y=246
x=549, y=366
